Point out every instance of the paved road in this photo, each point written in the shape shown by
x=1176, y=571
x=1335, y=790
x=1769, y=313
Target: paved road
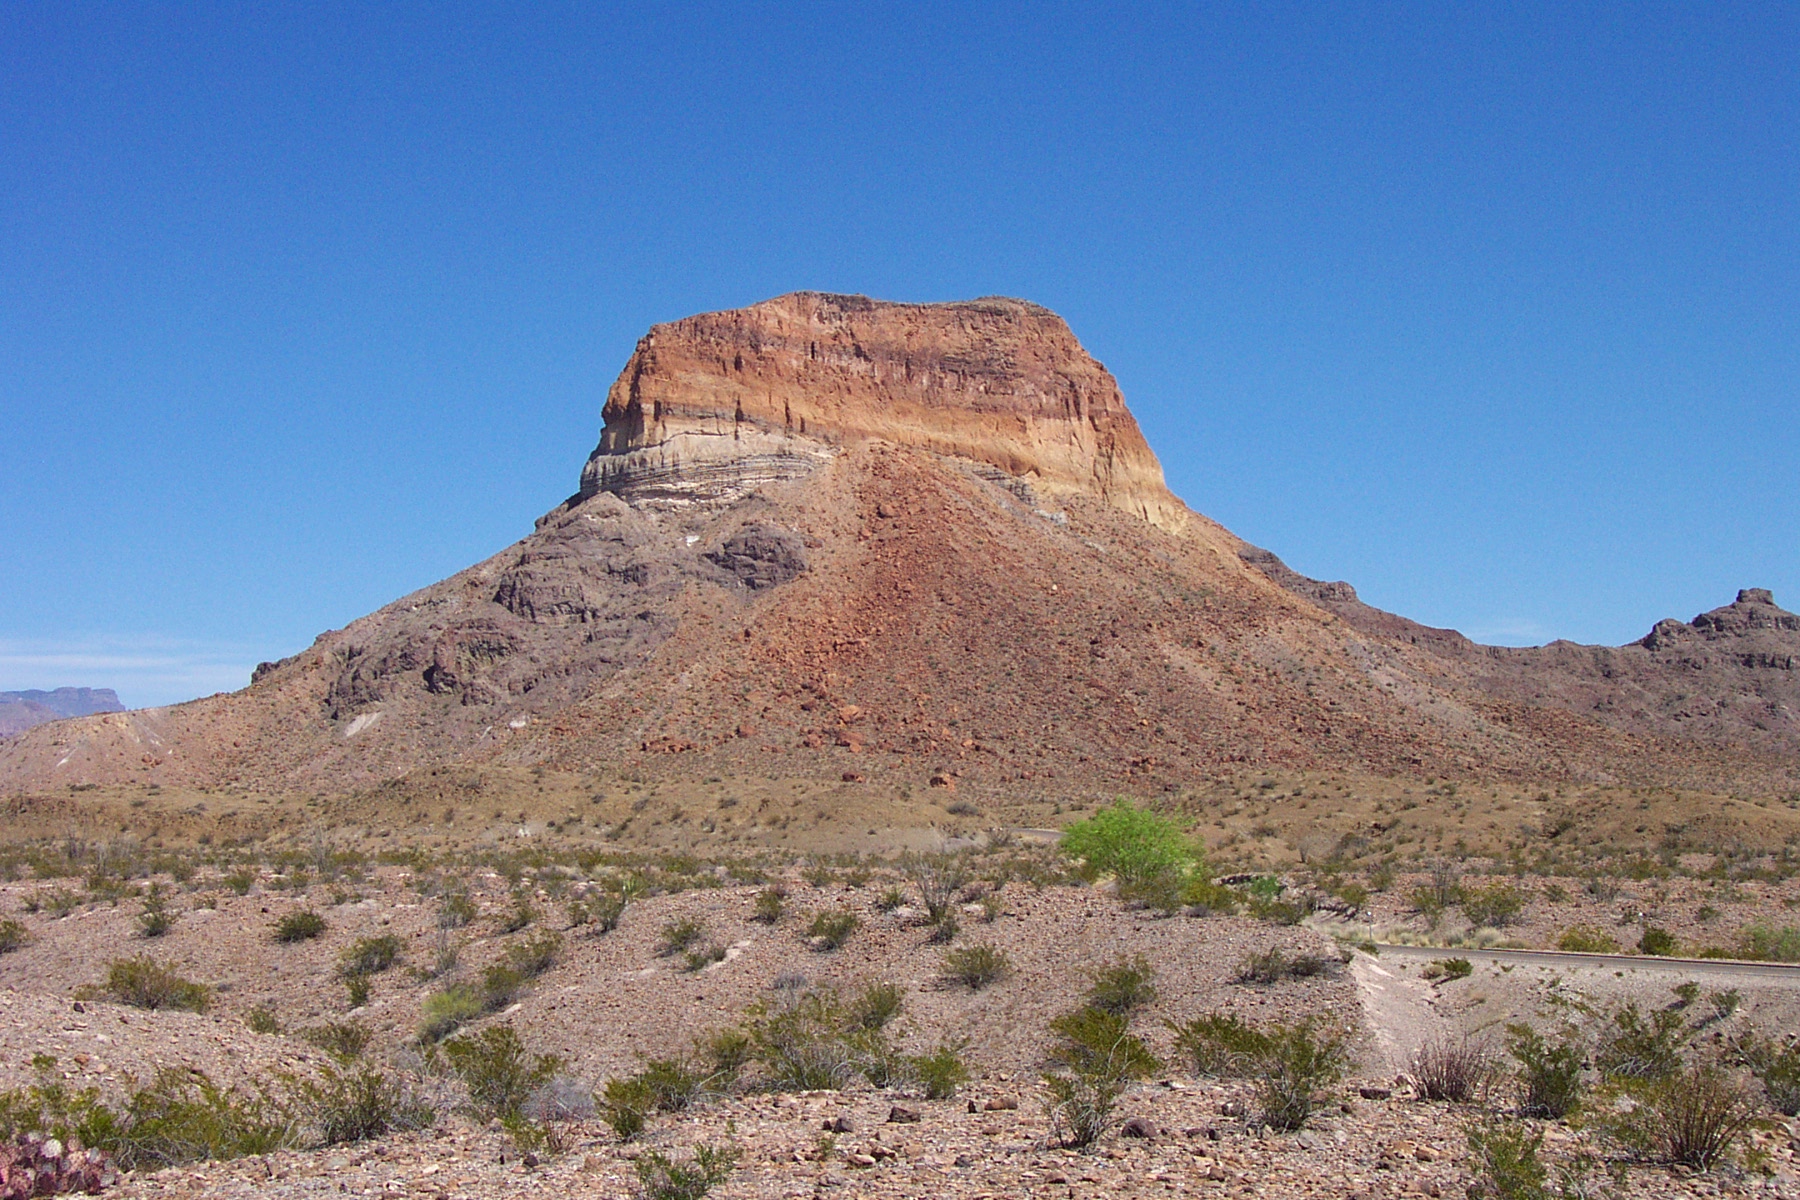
x=1701, y=970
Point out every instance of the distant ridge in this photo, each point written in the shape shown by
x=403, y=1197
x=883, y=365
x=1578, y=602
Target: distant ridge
x=20, y=711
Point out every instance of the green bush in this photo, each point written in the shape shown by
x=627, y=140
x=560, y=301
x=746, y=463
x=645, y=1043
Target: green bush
x=1587, y=939
x=1272, y=966
x=977, y=966
x=1218, y=1044
x=300, y=926
x=144, y=983
x=1658, y=942
x=663, y=1178
x=769, y=904
x=343, y=1040
x=1506, y=1163
x=1639, y=1049
x=156, y=919
x=804, y=1043
x=535, y=955
x=1691, y=1118
x=449, y=1010
x=241, y=880
x=369, y=956
x=626, y=1104
x=1148, y=855
x=1549, y=1073
x=356, y=991
x=353, y=1106
x=261, y=1019
x=876, y=1005
x=13, y=935
x=1777, y=1067
x=889, y=900
x=939, y=1073
x=939, y=877
x=832, y=929
x=497, y=1070
x=1287, y=1063
x=1769, y=944
x=602, y=909
x=1100, y=1057
x=1448, y=969
x=520, y=916
x=682, y=934
x=1498, y=904
x=701, y=958
x=1124, y=985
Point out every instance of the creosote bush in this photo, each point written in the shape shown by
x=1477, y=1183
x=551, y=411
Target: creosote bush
x=13, y=935
x=1691, y=1118
x=1549, y=1073
x=1506, y=1166
x=1497, y=905
x=355, y=1105
x=142, y=982
x=300, y=926
x=1272, y=966
x=1100, y=1057
x=1637, y=1049
x=449, y=1010
x=683, y=934
x=832, y=929
x=977, y=966
x=663, y=1178
x=769, y=904
x=1587, y=939
x=1124, y=985
x=939, y=1073
x=369, y=956
x=1287, y=1064
x=1776, y=1066
x=1657, y=942
x=498, y=1071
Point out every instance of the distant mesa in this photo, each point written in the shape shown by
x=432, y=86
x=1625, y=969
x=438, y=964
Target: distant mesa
x=20, y=711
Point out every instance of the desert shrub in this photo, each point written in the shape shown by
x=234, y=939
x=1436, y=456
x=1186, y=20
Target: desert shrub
x=1777, y=1067
x=1549, y=1073
x=769, y=904
x=1691, y=1118
x=501, y=984
x=1149, y=856
x=1205, y=897
x=156, y=919
x=520, y=916
x=939, y=1073
x=832, y=929
x=1100, y=1057
x=1769, y=944
x=13, y=935
x=353, y=1106
x=300, y=926
x=802, y=1040
x=945, y=928
x=662, y=1178
x=1506, y=1166
x=497, y=1070
x=1658, y=942
x=626, y=1105
x=535, y=955
x=261, y=1019
x=701, y=957
x=681, y=935
x=1498, y=904
x=670, y=1084
x=560, y=1099
x=369, y=956
x=1587, y=939
x=976, y=966
x=1448, y=969
x=726, y=1052
x=939, y=877
x=456, y=910
x=142, y=982
x=603, y=909
x=1272, y=966
x=356, y=991
x=875, y=1005
x=889, y=900
x=1455, y=1071
x=1123, y=985
x=1286, y=1063
x=449, y=1010
x=343, y=1040
x=1636, y=1048
x=241, y=880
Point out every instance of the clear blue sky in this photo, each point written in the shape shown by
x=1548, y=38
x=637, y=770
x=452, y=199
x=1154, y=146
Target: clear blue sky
x=1489, y=309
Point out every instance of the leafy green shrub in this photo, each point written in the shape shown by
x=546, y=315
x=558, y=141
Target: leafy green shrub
x=804, y=1042
x=663, y=1178
x=456, y=910
x=889, y=900
x=603, y=909
x=1658, y=942
x=1149, y=856
x=241, y=880
x=535, y=955
x=1507, y=1167
x=1218, y=1044
x=1100, y=1057
x=1272, y=966
x=144, y=983
x=876, y=1005
x=498, y=1071
x=832, y=929
x=343, y=1040
x=369, y=956
x=1123, y=985
x=354, y=1106
x=1448, y=969
x=1549, y=1073
x=449, y=1010
x=702, y=957
x=945, y=928
x=501, y=984
x=156, y=919
x=1587, y=939
x=1497, y=905
x=1287, y=1063
x=626, y=1104
x=769, y=904
x=939, y=1073
x=1777, y=1067
x=300, y=926
x=682, y=934
x=977, y=966
x=1691, y=1118
x=261, y=1019
x=1768, y=944
x=726, y=1052
x=13, y=935
x=1636, y=1049
x=356, y=991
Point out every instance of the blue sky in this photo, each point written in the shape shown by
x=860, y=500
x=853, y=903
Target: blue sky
x=1492, y=310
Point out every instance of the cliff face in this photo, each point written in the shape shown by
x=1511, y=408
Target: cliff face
x=716, y=405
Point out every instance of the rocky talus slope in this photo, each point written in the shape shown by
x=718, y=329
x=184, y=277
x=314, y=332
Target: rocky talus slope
x=826, y=537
